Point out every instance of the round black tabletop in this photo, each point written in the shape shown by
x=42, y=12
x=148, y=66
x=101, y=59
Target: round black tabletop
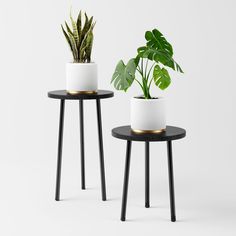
x=63, y=94
x=171, y=133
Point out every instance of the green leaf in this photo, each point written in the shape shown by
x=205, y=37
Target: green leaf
x=75, y=30
x=156, y=40
x=89, y=44
x=124, y=75
x=82, y=57
x=85, y=42
x=85, y=27
x=74, y=46
x=161, y=77
x=136, y=60
x=68, y=28
x=79, y=23
x=178, y=68
x=159, y=55
x=80, y=37
x=67, y=37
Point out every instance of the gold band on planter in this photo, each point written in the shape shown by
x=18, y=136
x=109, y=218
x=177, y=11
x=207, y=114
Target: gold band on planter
x=80, y=92
x=138, y=131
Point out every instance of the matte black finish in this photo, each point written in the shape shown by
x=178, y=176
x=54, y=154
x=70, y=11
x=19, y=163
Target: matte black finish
x=126, y=181
x=59, y=155
x=147, y=176
x=171, y=181
x=101, y=151
x=171, y=133
x=63, y=94
x=81, y=115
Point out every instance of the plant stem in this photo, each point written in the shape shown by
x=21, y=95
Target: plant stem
x=138, y=83
x=140, y=70
x=150, y=70
x=142, y=65
x=145, y=86
x=146, y=69
x=150, y=83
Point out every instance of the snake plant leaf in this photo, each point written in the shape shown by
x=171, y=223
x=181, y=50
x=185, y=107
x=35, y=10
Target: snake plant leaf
x=75, y=30
x=80, y=37
x=90, y=22
x=159, y=55
x=83, y=46
x=85, y=36
x=67, y=37
x=68, y=28
x=124, y=75
x=89, y=44
x=81, y=55
x=155, y=39
x=79, y=22
x=74, y=46
x=161, y=77
x=85, y=27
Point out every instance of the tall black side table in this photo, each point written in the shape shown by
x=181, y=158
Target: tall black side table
x=171, y=133
x=63, y=95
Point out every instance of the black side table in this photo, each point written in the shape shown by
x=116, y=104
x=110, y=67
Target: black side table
x=171, y=133
x=63, y=95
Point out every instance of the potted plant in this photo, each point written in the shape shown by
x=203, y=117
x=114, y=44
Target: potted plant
x=81, y=74
x=147, y=112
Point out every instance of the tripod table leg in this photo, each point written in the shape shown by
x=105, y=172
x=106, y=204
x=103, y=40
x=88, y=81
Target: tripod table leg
x=171, y=181
x=59, y=155
x=101, y=151
x=126, y=181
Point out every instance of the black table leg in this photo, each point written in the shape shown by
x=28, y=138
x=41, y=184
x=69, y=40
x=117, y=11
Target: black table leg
x=102, y=168
x=147, y=176
x=59, y=155
x=171, y=181
x=81, y=115
x=126, y=181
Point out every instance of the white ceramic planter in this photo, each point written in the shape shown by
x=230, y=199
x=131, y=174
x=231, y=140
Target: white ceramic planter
x=148, y=115
x=81, y=77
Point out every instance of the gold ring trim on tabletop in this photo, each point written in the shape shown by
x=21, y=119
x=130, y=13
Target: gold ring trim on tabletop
x=138, y=131
x=80, y=92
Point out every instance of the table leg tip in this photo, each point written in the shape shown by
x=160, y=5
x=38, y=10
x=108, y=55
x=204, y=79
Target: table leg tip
x=122, y=218
x=173, y=218
x=147, y=205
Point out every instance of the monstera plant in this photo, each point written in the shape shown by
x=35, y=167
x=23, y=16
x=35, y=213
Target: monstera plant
x=157, y=51
x=81, y=74
x=151, y=63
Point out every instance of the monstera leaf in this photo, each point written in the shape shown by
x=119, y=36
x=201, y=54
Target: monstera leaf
x=161, y=77
x=124, y=75
x=159, y=55
x=156, y=40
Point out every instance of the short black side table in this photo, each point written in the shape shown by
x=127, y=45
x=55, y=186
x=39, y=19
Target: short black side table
x=171, y=133
x=63, y=95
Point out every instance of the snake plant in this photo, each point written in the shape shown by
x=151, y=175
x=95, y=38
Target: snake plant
x=158, y=51
x=80, y=37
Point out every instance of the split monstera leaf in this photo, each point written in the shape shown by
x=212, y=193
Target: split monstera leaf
x=158, y=51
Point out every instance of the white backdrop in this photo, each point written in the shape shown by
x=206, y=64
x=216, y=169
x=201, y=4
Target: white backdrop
x=33, y=53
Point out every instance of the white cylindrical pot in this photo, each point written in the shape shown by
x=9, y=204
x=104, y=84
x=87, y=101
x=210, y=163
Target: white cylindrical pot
x=148, y=115
x=81, y=77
